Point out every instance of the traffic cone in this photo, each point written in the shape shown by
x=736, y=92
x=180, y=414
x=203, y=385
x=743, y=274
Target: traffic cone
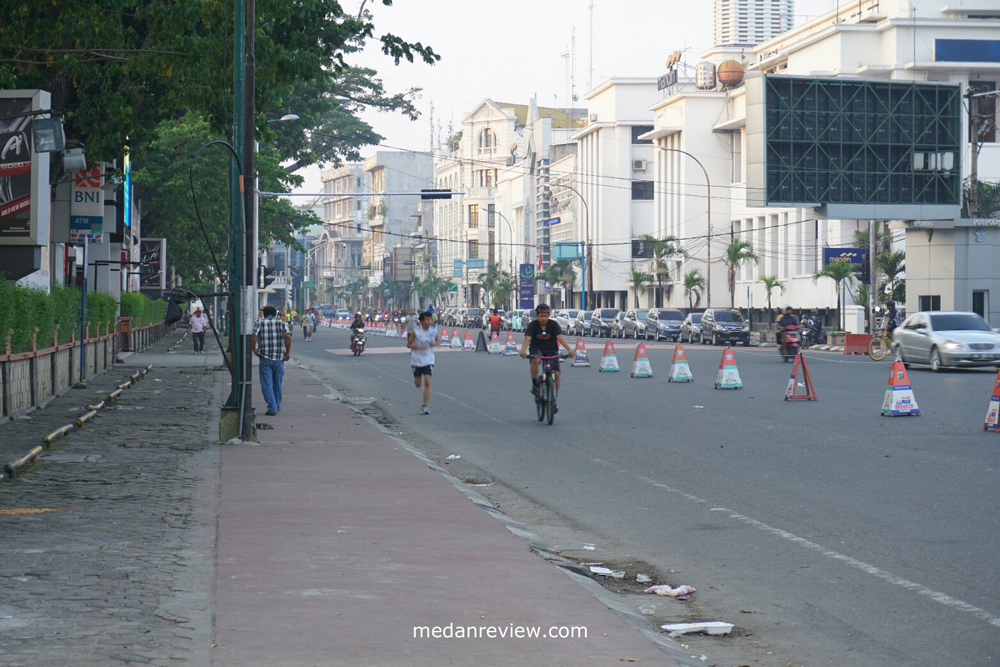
x=495, y=343
x=444, y=335
x=899, y=398
x=510, y=347
x=580, y=357
x=729, y=374
x=456, y=340
x=609, y=361
x=469, y=345
x=640, y=364
x=993, y=413
x=791, y=393
x=680, y=369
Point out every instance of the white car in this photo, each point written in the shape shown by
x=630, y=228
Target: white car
x=945, y=338
x=565, y=318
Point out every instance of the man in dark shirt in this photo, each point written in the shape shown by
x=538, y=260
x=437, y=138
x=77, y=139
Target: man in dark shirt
x=543, y=338
x=786, y=320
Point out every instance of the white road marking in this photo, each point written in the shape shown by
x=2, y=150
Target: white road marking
x=937, y=596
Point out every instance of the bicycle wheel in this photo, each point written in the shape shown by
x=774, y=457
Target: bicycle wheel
x=878, y=347
x=540, y=401
x=550, y=398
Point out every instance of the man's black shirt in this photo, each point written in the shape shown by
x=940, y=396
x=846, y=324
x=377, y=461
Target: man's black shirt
x=545, y=342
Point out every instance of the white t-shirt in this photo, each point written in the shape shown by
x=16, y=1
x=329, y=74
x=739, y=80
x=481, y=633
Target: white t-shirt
x=422, y=354
x=198, y=323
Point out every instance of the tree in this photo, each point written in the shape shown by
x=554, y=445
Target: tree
x=663, y=250
x=504, y=290
x=117, y=71
x=559, y=272
x=490, y=280
x=883, y=239
x=639, y=280
x=738, y=252
x=694, y=282
x=770, y=283
x=987, y=202
x=838, y=272
x=893, y=288
x=168, y=209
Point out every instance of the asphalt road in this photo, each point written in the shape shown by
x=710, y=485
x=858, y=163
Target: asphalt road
x=860, y=540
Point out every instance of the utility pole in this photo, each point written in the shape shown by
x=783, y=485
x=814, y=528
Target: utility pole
x=248, y=296
x=974, y=124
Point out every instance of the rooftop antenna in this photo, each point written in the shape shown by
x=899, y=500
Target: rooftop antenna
x=590, y=81
x=431, y=123
x=572, y=70
x=566, y=56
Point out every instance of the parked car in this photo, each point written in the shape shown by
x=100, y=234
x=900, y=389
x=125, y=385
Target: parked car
x=581, y=324
x=720, y=325
x=600, y=322
x=458, y=318
x=691, y=328
x=565, y=318
x=618, y=325
x=664, y=323
x=473, y=318
x=527, y=315
x=634, y=324
x=947, y=338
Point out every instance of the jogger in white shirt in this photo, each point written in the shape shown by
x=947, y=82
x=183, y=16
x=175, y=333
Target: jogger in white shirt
x=421, y=342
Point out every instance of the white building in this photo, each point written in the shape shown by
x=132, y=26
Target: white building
x=491, y=219
x=338, y=258
x=750, y=22
x=615, y=180
x=876, y=40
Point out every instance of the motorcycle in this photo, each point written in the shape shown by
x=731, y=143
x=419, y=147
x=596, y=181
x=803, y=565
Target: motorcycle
x=791, y=343
x=811, y=335
x=358, y=342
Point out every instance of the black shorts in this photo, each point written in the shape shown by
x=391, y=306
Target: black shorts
x=548, y=353
x=422, y=370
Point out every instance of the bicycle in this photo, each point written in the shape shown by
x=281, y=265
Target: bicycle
x=545, y=399
x=879, y=346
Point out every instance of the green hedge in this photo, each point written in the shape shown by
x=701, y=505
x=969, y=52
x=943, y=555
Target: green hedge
x=22, y=309
x=143, y=310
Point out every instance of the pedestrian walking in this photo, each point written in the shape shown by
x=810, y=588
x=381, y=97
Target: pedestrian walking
x=197, y=325
x=272, y=343
x=411, y=321
x=421, y=342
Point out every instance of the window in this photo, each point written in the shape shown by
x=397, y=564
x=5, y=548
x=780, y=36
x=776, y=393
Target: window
x=473, y=216
x=638, y=130
x=930, y=303
x=737, y=157
x=487, y=141
x=491, y=215
x=473, y=249
x=642, y=190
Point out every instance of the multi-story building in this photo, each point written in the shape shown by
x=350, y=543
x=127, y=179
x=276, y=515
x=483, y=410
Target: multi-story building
x=496, y=160
x=338, y=258
x=792, y=202
x=750, y=22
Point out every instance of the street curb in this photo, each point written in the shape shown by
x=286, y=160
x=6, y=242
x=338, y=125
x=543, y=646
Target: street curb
x=574, y=571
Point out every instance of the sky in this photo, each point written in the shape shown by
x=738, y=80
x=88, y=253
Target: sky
x=513, y=49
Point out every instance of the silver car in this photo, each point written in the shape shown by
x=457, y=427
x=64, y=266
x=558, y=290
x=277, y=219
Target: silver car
x=943, y=339
x=565, y=318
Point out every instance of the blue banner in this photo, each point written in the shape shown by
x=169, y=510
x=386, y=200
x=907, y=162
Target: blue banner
x=526, y=286
x=849, y=255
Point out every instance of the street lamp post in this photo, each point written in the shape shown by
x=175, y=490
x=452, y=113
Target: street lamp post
x=510, y=230
x=708, y=232
x=588, y=266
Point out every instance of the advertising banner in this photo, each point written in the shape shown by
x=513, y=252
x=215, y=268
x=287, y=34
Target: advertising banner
x=86, y=208
x=153, y=270
x=847, y=255
x=526, y=286
x=15, y=167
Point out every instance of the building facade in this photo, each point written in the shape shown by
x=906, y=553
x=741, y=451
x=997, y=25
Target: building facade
x=750, y=22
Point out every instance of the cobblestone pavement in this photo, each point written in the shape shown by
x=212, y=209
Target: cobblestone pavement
x=106, y=545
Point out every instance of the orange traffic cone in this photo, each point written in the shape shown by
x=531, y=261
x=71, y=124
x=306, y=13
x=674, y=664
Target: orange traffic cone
x=993, y=413
x=609, y=361
x=580, y=357
x=510, y=347
x=468, y=345
x=495, y=343
x=791, y=393
x=899, y=398
x=641, y=367
x=729, y=374
x=680, y=369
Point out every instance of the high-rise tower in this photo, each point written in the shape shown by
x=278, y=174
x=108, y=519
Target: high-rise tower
x=750, y=22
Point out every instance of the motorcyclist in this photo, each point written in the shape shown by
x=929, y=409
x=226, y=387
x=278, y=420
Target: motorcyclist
x=787, y=319
x=356, y=325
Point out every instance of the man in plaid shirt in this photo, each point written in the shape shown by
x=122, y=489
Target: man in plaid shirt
x=272, y=343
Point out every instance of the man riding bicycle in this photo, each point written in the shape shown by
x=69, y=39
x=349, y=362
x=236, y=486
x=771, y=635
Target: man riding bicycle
x=543, y=338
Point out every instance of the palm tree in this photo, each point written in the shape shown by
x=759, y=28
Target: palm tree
x=639, y=280
x=891, y=265
x=559, y=272
x=503, y=290
x=883, y=239
x=489, y=280
x=738, y=252
x=663, y=250
x=770, y=283
x=694, y=282
x=838, y=272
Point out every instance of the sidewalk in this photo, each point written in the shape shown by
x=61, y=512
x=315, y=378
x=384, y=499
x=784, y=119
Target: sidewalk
x=336, y=542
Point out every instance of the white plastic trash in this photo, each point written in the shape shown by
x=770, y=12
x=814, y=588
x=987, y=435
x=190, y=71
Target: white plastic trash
x=708, y=627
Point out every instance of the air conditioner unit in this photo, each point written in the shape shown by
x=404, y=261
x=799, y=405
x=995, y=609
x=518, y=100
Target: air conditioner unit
x=639, y=165
x=593, y=118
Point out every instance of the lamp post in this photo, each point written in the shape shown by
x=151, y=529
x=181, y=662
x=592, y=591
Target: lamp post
x=510, y=230
x=708, y=232
x=588, y=267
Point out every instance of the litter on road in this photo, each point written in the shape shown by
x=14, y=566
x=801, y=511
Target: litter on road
x=708, y=627
x=681, y=592
x=606, y=572
x=643, y=578
x=452, y=457
x=589, y=547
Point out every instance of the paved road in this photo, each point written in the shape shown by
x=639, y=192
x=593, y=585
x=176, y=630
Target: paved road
x=860, y=540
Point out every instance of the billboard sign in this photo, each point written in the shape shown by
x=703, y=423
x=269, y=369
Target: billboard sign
x=24, y=174
x=642, y=249
x=153, y=264
x=854, y=256
x=86, y=208
x=567, y=250
x=526, y=286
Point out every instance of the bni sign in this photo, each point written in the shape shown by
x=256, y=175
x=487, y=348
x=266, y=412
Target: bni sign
x=86, y=209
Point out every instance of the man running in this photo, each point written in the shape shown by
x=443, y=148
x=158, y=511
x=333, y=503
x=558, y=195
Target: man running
x=421, y=342
x=543, y=338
